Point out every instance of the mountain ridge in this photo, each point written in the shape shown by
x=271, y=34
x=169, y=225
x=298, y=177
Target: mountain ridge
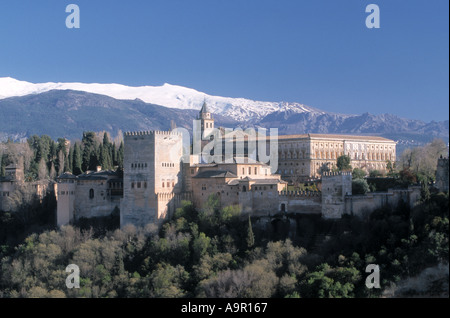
x=67, y=113
x=168, y=95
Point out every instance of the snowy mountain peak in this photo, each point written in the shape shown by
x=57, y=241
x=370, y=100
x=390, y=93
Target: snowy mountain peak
x=167, y=95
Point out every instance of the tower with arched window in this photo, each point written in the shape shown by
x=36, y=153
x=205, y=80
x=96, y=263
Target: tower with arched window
x=206, y=121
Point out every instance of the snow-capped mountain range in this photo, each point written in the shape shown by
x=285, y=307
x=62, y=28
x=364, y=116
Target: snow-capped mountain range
x=167, y=95
x=69, y=109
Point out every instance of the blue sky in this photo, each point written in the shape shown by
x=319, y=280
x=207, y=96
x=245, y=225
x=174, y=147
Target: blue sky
x=316, y=52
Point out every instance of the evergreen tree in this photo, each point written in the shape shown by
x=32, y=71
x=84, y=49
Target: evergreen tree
x=94, y=159
x=77, y=160
x=105, y=158
x=2, y=165
x=250, y=235
x=114, y=155
x=68, y=164
x=89, y=158
x=106, y=140
x=343, y=163
x=120, y=156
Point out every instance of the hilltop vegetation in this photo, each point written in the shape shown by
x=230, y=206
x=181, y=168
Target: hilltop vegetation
x=217, y=253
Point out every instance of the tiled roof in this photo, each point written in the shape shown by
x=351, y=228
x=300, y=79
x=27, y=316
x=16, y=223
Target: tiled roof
x=331, y=136
x=6, y=179
x=257, y=181
x=100, y=175
x=320, y=136
x=67, y=175
x=215, y=174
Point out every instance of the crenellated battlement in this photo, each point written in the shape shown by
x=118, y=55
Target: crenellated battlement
x=165, y=196
x=442, y=162
x=336, y=173
x=300, y=194
x=150, y=133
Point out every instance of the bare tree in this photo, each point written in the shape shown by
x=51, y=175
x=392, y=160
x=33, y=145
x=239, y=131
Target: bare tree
x=61, y=163
x=42, y=170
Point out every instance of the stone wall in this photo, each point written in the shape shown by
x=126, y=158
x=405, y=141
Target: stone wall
x=86, y=196
x=300, y=202
x=361, y=205
x=6, y=191
x=92, y=199
x=65, y=198
x=442, y=175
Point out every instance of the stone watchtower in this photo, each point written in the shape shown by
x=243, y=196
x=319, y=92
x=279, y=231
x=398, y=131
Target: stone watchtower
x=152, y=176
x=14, y=173
x=335, y=186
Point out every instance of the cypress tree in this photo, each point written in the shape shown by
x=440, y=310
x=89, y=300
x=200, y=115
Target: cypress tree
x=120, y=156
x=250, y=235
x=89, y=151
x=68, y=164
x=77, y=160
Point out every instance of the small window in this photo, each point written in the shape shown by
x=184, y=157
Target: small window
x=132, y=185
x=91, y=193
x=138, y=185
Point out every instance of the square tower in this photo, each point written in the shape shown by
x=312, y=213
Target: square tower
x=335, y=187
x=152, y=176
x=207, y=122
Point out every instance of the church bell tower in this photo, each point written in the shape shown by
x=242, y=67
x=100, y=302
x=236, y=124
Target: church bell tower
x=207, y=122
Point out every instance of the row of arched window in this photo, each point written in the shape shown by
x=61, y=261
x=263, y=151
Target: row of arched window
x=139, y=185
x=255, y=169
x=292, y=154
x=168, y=183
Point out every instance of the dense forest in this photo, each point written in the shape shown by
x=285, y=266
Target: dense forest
x=43, y=158
x=218, y=252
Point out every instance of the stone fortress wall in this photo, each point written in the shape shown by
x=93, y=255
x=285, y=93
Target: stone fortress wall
x=442, y=174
